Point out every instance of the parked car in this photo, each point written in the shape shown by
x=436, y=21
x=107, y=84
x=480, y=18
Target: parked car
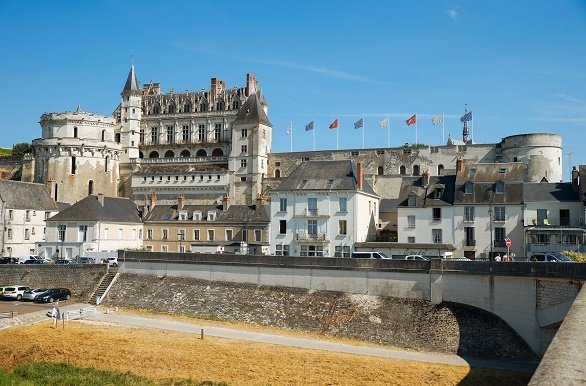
x=31, y=294
x=35, y=261
x=416, y=257
x=14, y=291
x=65, y=262
x=9, y=260
x=112, y=261
x=369, y=255
x=53, y=294
x=23, y=259
x=551, y=257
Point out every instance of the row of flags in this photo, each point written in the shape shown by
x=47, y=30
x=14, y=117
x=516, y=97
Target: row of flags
x=435, y=120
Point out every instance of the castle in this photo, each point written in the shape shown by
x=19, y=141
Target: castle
x=215, y=143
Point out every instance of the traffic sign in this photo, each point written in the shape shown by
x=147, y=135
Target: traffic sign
x=507, y=242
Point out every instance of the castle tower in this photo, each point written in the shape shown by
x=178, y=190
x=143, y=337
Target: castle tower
x=130, y=116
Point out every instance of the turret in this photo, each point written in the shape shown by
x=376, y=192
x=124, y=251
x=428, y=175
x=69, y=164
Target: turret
x=130, y=116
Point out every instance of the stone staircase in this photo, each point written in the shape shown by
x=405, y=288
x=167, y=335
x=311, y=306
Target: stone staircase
x=103, y=287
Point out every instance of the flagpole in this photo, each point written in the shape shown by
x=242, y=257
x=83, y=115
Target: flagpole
x=443, y=130
x=362, y=132
x=415, y=129
x=337, y=132
x=291, y=139
x=313, y=132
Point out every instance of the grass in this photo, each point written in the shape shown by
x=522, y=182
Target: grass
x=103, y=354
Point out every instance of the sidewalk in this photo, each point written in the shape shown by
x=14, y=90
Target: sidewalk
x=313, y=344
x=38, y=316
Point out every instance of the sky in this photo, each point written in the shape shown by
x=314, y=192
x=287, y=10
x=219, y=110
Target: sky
x=519, y=66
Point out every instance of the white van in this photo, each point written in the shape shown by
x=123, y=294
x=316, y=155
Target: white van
x=22, y=259
x=369, y=255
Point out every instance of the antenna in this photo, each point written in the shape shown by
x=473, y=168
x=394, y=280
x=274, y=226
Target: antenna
x=569, y=155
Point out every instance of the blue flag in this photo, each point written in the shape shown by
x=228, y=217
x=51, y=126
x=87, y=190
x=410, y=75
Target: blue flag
x=359, y=123
x=466, y=117
x=309, y=126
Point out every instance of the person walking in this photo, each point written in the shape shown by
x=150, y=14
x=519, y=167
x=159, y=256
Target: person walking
x=497, y=257
x=55, y=313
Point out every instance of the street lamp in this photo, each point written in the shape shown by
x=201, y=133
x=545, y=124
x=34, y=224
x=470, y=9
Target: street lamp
x=490, y=258
x=181, y=237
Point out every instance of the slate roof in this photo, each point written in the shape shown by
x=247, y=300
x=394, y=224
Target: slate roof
x=235, y=213
x=324, y=175
x=544, y=191
x=484, y=178
x=252, y=112
x=118, y=210
x=131, y=85
x=26, y=195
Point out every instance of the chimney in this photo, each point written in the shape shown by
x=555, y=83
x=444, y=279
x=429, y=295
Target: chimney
x=425, y=178
x=225, y=202
x=250, y=84
x=180, y=202
x=459, y=163
x=101, y=198
x=359, y=175
x=575, y=175
x=50, y=186
x=153, y=199
x=259, y=200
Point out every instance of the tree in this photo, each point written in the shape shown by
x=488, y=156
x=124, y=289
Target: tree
x=21, y=149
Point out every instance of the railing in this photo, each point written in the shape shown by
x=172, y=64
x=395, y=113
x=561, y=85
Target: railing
x=6, y=315
x=470, y=243
x=71, y=315
x=311, y=212
x=311, y=236
x=181, y=160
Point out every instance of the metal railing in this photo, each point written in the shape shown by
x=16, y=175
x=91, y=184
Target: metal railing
x=8, y=315
x=76, y=314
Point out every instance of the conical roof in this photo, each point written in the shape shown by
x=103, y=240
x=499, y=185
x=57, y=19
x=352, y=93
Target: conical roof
x=252, y=112
x=131, y=85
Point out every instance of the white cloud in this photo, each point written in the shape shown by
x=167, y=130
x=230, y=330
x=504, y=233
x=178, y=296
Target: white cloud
x=453, y=14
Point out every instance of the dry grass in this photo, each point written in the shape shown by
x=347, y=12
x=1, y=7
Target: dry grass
x=161, y=355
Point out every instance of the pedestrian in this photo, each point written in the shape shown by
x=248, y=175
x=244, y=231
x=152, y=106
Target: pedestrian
x=497, y=257
x=505, y=257
x=55, y=313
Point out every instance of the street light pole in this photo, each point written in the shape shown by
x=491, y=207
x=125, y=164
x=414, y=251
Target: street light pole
x=181, y=236
x=490, y=258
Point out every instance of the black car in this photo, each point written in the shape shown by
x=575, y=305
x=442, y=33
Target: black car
x=53, y=294
x=9, y=260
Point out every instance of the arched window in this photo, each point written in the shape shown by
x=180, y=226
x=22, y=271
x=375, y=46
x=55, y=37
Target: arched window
x=117, y=137
x=107, y=165
x=187, y=108
x=154, y=154
x=415, y=170
x=140, y=154
x=217, y=153
x=202, y=107
x=277, y=173
x=169, y=154
x=440, y=169
x=75, y=132
x=185, y=153
x=73, y=165
x=402, y=170
x=201, y=153
x=380, y=171
x=90, y=187
x=56, y=192
x=103, y=135
x=171, y=109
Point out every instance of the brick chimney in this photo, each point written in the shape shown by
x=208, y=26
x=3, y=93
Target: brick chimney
x=459, y=164
x=153, y=199
x=250, y=84
x=425, y=178
x=575, y=176
x=180, y=202
x=259, y=200
x=225, y=202
x=101, y=198
x=359, y=175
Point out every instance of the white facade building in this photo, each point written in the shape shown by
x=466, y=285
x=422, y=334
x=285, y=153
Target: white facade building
x=322, y=209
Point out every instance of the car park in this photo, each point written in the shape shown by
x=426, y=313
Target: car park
x=551, y=257
x=53, y=294
x=416, y=257
x=14, y=292
x=31, y=294
x=9, y=260
x=369, y=255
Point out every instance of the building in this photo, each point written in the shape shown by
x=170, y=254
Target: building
x=94, y=224
x=207, y=228
x=323, y=208
x=77, y=155
x=24, y=206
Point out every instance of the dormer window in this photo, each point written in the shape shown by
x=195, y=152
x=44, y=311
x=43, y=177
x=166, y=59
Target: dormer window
x=211, y=216
x=438, y=192
x=183, y=215
x=499, y=187
x=197, y=216
x=412, y=200
x=469, y=187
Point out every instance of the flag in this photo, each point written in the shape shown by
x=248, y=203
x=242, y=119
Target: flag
x=437, y=119
x=359, y=123
x=384, y=123
x=289, y=128
x=466, y=117
x=309, y=126
x=411, y=120
x=334, y=125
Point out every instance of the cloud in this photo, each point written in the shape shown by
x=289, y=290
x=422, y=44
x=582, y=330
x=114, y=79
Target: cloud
x=567, y=109
x=453, y=14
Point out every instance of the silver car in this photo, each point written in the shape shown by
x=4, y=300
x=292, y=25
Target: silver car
x=31, y=294
x=14, y=292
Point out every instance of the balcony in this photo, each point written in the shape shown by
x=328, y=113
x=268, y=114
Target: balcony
x=182, y=160
x=499, y=244
x=470, y=243
x=311, y=237
x=311, y=213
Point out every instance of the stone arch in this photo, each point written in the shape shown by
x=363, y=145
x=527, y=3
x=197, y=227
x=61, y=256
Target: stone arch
x=277, y=173
x=90, y=187
x=217, y=152
x=402, y=170
x=201, y=153
x=154, y=154
x=169, y=154
x=440, y=169
x=140, y=154
x=380, y=171
x=185, y=153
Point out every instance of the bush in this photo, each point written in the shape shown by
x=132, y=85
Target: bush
x=576, y=256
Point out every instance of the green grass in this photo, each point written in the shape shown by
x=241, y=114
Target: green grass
x=54, y=374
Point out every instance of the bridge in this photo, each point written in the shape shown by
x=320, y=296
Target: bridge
x=533, y=298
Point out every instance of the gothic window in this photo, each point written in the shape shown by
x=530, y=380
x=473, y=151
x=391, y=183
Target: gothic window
x=440, y=169
x=154, y=135
x=172, y=109
x=154, y=154
x=141, y=135
x=170, y=134
x=103, y=135
x=217, y=132
x=217, y=153
x=140, y=154
x=185, y=153
x=277, y=173
x=201, y=133
x=90, y=187
x=201, y=153
x=156, y=109
x=169, y=154
x=185, y=133
x=75, y=132
x=380, y=171
x=202, y=107
x=235, y=105
x=402, y=170
x=187, y=108
x=73, y=165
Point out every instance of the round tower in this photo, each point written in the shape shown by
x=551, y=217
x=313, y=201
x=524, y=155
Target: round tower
x=129, y=117
x=540, y=152
x=77, y=155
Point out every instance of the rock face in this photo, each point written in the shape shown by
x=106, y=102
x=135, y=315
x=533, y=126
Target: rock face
x=413, y=324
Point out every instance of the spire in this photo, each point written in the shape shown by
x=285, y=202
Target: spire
x=252, y=112
x=131, y=86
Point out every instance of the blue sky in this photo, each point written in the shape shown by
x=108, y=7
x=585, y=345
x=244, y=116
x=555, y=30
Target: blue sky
x=518, y=65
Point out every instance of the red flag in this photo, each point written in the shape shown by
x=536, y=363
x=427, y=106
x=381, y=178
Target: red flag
x=411, y=120
x=334, y=125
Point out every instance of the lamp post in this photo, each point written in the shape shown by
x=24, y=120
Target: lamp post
x=490, y=258
x=181, y=237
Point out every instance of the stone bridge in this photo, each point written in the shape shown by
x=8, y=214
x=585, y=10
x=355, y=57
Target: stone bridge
x=533, y=298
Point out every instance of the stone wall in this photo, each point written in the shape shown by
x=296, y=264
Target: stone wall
x=80, y=279
x=407, y=323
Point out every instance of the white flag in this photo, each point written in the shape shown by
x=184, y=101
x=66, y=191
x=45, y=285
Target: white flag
x=289, y=128
x=384, y=123
x=437, y=119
